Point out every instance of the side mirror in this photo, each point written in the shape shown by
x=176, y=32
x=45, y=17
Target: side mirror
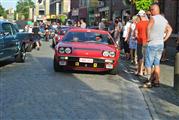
x=6, y=33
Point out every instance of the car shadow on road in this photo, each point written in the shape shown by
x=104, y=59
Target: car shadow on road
x=6, y=62
x=70, y=97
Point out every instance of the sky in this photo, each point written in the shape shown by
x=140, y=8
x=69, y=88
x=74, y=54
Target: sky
x=9, y=3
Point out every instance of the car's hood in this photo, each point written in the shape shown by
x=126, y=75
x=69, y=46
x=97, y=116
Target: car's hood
x=87, y=46
x=87, y=49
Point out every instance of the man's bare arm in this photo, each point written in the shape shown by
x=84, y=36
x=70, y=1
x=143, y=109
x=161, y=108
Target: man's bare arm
x=168, y=32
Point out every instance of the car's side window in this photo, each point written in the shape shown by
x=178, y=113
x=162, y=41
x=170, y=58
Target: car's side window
x=7, y=28
x=14, y=29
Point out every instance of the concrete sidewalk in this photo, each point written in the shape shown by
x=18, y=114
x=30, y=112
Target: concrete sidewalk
x=163, y=101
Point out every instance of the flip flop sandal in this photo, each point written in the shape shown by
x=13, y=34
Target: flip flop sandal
x=156, y=84
x=147, y=85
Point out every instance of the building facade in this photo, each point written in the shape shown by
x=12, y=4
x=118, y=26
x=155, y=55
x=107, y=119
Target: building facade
x=74, y=10
x=59, y=9
x=55, y=7
x=110, y=9
x=170, y=8
x=42, y=9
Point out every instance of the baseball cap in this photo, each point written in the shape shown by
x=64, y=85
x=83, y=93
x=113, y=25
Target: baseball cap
x=141, y=13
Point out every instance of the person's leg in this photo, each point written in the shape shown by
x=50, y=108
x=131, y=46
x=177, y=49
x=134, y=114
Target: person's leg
x=135, y=56
x=132, y=56
x=127, y=51
x=37, y=45
x=149, y=57
x=157, y=64
x=157, y=74
x=141, y=67
x=140, y=60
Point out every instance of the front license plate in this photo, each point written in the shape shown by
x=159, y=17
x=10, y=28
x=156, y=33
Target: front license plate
x=109, y=66
x=86, y=60
x=63, y=63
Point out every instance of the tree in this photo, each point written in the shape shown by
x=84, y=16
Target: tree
x=22, y=8
x=2, y=12
x=142, y=4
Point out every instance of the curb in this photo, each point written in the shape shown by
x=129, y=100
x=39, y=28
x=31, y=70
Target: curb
x=146, y=97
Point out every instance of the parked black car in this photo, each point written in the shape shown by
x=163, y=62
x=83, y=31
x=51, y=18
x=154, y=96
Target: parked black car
x=12, y=42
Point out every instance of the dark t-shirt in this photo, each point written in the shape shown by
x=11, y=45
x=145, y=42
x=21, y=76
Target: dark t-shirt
x=35, y=30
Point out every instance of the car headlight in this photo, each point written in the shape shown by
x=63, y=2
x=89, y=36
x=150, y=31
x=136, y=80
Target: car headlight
x=61, y=50
x=112, y=54
x=68, y=50
x=109, y=53
x=64, y=50
x=105, y=53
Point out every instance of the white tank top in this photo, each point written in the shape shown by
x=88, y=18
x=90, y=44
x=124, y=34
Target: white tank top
x=156, y=36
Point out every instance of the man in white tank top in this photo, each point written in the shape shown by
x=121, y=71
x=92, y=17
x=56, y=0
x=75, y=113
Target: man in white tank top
x=157, y=26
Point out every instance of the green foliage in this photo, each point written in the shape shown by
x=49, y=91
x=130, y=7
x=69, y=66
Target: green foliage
x=2, y=12
x=22, y=8
x=143, y=4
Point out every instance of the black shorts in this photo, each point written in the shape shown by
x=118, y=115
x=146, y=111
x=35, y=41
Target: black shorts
x=140, y=51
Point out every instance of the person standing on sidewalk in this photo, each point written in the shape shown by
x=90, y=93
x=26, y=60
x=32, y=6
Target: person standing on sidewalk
x=125, y=37
x=83, y=23
x=157, y=26
x=101, y=25
x=133, y=40
x=117, y=31
x=141, y=34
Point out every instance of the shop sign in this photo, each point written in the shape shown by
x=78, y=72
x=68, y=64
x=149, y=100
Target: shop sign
x=103, y=9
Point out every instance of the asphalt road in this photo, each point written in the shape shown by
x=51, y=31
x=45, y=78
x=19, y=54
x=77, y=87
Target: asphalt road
x=33, y=91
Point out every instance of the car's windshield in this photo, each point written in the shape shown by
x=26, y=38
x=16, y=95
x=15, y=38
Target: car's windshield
x=88, y=37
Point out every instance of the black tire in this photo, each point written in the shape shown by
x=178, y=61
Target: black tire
x=53, y=44
x=29, y=48
x=56, y=66
x=21, y=56
x=115, y=70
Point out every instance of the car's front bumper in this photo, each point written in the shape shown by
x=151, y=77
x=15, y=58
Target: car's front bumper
x=86, y=64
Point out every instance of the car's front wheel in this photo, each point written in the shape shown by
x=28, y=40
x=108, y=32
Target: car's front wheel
x=56, y=66
x=29, y=47
x=21, y=56
x=53, y=43
x=115, y=70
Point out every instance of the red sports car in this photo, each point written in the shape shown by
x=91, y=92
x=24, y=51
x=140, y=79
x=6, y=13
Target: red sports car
x=87, y=50
x=60, y=32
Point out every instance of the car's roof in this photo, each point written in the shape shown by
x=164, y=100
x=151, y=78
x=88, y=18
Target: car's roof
x=88, y=30
x=4, y=21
